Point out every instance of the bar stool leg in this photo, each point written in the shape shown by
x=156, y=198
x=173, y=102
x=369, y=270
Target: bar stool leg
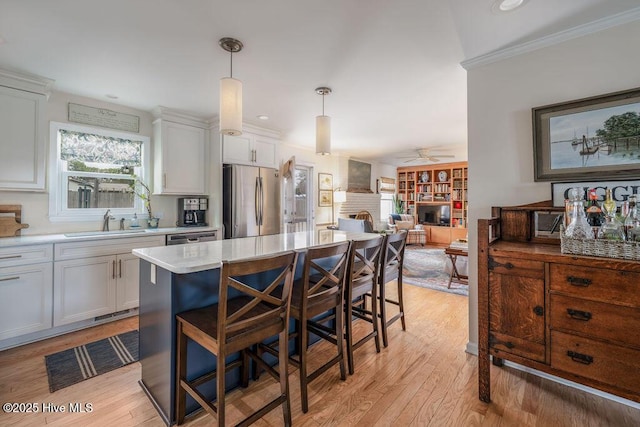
x=374, y=316
x=220, y=391
x=283, y=375
x=349, y=335
x=303, y=344
x=383, y=315
x=401, y=304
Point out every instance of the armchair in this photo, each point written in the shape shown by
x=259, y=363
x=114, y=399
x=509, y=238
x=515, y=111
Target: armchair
x=416, y=234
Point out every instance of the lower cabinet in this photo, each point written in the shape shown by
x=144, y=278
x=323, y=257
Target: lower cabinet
x=25, y=299
x=84, y=288
x=127, y=283
x=437, y=234
x=517, y=308
x=87, y=287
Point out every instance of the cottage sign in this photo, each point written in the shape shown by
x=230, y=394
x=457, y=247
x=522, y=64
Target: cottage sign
x=103, y=117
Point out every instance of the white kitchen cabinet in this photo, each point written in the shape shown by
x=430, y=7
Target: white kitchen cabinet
x=26, y=288
x=22, y=140
x=180, y=152
x=83, y=288
x=250, y=149
x=96, y=277
x=127, y=284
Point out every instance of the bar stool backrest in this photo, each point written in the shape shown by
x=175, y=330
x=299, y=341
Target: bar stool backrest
x=364, y=265
x=324, y=275
x=252, y=311
x=393, y=256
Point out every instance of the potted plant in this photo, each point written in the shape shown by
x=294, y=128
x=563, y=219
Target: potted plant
x=143, y=191
x=398, y=205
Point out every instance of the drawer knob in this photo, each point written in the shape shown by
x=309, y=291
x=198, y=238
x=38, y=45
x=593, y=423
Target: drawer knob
x=538, y=310
x=493, y=264
x=578, y=281
x=585, y=359
x=585, y=316
x=494, y=341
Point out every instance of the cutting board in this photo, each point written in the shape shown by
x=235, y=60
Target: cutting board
x=10, y=217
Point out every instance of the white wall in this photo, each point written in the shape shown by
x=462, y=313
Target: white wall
x=500, y=98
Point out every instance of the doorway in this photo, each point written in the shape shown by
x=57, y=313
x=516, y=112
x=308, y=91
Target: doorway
x=298, y=196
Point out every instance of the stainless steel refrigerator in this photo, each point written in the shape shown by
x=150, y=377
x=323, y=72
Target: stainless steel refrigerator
x=250, y=201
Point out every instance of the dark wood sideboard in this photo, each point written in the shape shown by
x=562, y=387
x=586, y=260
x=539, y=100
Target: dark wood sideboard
x=575, y=317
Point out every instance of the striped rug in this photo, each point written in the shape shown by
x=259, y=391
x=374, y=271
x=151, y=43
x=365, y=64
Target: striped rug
x=77, y=364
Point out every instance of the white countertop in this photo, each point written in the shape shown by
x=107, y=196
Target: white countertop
x=41, y=239
x=191, y=258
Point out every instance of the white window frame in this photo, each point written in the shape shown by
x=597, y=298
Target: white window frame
x=58, y=210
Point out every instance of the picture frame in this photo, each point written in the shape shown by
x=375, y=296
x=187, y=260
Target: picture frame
x=325, y=198
x=325, y=181
x=359, y=177
x=592, y=139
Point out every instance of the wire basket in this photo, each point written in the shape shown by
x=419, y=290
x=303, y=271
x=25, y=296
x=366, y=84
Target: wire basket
x=599, y=247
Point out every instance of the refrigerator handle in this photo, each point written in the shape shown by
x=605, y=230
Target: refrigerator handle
x=261, y=201
x=256, y=196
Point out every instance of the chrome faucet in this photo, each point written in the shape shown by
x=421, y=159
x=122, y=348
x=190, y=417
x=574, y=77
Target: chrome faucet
x=106, y=218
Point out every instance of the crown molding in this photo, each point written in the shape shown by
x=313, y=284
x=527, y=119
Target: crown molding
x=553, y=39
x=26, y=82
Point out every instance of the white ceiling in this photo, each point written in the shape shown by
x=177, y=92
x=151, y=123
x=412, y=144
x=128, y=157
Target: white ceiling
x=394, y=66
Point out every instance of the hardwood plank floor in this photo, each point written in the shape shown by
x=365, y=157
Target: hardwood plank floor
x=424, y=378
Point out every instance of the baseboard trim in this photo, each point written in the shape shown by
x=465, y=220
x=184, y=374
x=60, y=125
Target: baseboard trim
x=572, y=384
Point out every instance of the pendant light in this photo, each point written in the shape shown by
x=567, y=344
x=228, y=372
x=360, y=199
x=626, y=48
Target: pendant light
x=323, y=127
x=230, y=94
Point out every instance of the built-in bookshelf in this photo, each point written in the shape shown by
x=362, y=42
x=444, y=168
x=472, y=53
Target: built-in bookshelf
x=436, y=195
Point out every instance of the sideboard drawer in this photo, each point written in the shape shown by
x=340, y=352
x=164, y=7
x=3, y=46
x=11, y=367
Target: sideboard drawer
x=519, y=267
x=598, y=284
x=596, y=360
x=596, y=319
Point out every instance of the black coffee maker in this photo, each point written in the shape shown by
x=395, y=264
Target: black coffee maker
x=192, y=211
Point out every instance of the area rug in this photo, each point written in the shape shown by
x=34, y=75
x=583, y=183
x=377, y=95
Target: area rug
x=77, y=364
x=425, y=267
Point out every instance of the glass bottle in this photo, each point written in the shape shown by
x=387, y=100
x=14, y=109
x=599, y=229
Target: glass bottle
x=632, y=222
x=595, y=217
x=579, y=227
x=611, y=229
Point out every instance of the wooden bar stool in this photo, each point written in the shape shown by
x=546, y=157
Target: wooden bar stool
x=243, y=316
x=362, y=279
x=391, y=268
x=316, y=304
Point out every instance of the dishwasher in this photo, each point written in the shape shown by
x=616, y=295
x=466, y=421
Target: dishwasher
x=193, y=237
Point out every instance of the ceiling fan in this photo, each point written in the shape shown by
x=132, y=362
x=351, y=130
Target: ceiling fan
x=425, y=154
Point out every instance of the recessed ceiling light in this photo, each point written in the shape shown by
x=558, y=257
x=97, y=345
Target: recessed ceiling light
x=263, y=117
x=507, y=5
x=112, y=96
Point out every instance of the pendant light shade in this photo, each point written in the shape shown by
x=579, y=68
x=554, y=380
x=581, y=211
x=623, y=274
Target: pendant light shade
x=323, y=135
x=323, y=127
x=230, y=94
x=230, y=106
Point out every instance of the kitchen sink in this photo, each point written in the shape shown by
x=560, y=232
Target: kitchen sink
x=104, y=233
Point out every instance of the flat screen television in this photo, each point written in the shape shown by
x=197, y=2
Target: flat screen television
x=434, y=214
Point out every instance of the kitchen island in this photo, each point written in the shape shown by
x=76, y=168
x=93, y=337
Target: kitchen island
x=183, y=277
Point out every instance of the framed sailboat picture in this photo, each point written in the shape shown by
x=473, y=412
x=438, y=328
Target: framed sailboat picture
x=593, y=138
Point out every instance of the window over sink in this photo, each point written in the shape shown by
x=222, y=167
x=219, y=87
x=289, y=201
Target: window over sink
x=94, y=169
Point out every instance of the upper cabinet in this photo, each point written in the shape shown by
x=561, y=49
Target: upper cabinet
x=254, y=147
x=180, y=152
x=23, y=101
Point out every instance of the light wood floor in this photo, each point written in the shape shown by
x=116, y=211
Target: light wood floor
x=424, y=378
